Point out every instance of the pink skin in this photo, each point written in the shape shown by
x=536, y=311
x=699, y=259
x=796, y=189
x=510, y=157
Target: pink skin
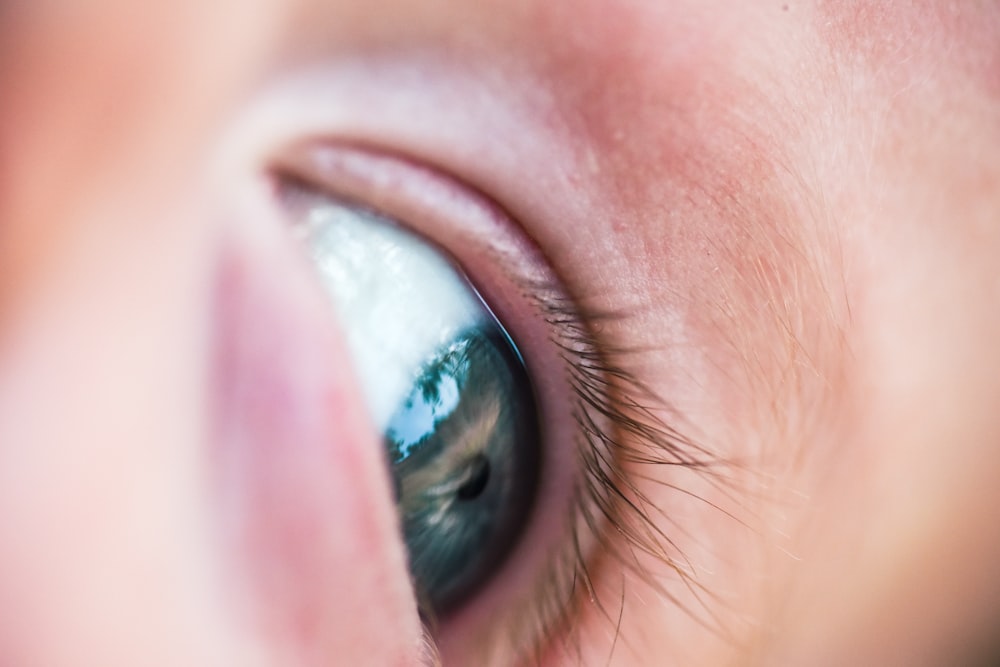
x=798, y=206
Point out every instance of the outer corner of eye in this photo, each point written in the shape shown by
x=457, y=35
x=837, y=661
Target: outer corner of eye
x=467, y=419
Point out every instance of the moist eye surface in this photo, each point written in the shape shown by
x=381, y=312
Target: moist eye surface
x=446, y=387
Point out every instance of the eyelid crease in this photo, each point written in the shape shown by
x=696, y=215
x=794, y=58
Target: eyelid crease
x=611, y=519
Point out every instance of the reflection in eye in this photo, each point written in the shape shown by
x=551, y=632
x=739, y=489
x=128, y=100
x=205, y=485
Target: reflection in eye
x=467, y=479
x=463, y=438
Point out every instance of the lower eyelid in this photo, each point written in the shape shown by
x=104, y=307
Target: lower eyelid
x=515, y=280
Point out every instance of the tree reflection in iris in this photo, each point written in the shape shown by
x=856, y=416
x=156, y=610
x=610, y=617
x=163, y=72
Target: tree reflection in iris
x=464, y=452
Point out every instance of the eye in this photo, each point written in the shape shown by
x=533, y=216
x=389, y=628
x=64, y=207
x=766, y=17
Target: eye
x=447, y=389
x=506, y=440
x=457, y=329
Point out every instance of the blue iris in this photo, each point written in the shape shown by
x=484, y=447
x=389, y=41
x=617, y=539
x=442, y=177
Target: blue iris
x=464, y=452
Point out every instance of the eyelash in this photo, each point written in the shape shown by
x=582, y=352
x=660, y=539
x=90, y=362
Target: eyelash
x=610, y=505
x=616, y=426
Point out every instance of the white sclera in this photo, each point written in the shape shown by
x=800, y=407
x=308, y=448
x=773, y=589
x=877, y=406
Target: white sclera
x=397, y=297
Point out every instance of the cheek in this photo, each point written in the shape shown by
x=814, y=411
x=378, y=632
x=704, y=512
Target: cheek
x=910, y=500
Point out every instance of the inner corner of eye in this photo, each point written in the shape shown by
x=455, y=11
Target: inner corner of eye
x=445, y=386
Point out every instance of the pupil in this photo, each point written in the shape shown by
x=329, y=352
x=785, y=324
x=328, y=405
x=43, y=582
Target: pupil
x=479, y=475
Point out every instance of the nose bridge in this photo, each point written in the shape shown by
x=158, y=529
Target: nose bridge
x=302, y=482
x=188, y=472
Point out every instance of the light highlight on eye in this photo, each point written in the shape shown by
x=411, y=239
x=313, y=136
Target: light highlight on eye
x=399, y=299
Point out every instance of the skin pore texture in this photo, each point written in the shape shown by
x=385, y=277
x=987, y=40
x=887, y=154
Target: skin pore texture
x=793, y=209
